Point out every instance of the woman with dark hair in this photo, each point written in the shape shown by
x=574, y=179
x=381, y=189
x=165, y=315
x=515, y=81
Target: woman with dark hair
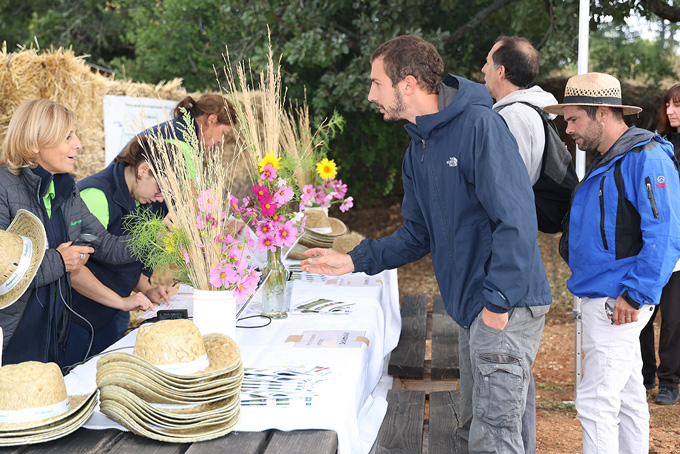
x=668, y=370
x=101, y=293
x=209, y=118
x=39, y=152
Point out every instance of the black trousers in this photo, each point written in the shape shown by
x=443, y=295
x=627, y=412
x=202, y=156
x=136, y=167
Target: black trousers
x=668, y=370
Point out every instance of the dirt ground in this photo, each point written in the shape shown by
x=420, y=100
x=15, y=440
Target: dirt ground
x=558, y=430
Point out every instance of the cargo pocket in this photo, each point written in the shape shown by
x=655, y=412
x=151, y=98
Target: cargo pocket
x=501, y=384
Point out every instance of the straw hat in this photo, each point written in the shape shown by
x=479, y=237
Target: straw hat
x=34, y=404
x=592, y=89
x=22, y=246
x=175, y=349
x=196, y=380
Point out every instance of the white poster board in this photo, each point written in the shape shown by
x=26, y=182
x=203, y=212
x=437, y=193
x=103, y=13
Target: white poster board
x=126, y=116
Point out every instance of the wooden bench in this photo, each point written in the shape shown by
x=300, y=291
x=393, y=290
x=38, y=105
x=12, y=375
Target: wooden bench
x=422, y=415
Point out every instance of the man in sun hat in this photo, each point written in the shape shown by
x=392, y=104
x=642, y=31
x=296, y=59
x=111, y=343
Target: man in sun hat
x=478, y=220
x=621, y=241
x=22, y=247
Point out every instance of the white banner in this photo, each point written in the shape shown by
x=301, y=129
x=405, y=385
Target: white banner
x=125, y=117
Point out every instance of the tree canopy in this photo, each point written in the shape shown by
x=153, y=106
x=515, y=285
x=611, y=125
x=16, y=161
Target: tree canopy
x=326, y=47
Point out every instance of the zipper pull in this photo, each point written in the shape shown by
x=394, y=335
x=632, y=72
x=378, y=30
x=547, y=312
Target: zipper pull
x=422, y=158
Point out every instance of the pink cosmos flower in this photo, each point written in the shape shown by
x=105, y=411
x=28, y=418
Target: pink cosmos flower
x=233, y=201
x=261, y=192
x=186, y=256
x=347, y=204
x=267, y=242
x=286, y=233
x=320, y=196
x=246, y=286
x=268, y=208
x=205, y=201
x=268, y=173
x=283, y=195
x=263, y=228
x=222, y=275
x=250, y=242
x=340, y=188
x=200, y=222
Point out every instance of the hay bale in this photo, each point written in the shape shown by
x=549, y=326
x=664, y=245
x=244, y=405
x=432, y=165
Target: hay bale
x=61, y=76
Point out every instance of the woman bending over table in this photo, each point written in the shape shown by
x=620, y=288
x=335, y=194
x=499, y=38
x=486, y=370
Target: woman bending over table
x=101, y=290
x=38, y=154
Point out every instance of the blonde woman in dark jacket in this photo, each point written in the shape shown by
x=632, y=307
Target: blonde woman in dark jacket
x=38, y=154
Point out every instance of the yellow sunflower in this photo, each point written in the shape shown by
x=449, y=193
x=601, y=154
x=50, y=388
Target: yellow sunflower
x=326, y=169
x=270, y=158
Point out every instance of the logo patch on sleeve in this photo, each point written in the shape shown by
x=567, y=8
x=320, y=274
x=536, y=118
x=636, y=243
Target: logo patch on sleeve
x=661, y=181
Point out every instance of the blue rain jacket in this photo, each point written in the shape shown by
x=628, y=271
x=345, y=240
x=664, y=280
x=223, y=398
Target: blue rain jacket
x=468, y=201
x=623, y=235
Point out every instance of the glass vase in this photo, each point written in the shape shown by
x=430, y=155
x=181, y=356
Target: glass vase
x=276, y=292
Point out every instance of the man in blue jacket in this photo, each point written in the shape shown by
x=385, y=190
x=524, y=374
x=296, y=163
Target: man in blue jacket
x=467, y=201
x=621, y=240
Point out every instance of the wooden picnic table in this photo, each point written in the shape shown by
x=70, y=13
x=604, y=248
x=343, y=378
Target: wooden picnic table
x=112, y=441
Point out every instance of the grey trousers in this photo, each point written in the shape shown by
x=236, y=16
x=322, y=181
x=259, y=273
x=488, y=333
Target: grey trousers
x=495, y=368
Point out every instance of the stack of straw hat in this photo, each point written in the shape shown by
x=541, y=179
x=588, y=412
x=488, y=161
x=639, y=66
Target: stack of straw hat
x=35, y=407
x=320, y=231
x=176, y=386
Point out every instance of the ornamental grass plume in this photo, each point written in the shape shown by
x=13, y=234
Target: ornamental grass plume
x=201, y=241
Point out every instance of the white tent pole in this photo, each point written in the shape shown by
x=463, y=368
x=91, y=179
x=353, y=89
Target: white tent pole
x=583, y=30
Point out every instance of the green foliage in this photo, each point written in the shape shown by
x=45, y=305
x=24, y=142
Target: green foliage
x=627, y=55
x=326, y=48
x=152, y=243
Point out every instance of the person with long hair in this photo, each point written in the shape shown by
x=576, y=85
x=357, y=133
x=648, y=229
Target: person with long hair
x=210, y=118
x=668, y=369
x=102, y=292
x=39, y=152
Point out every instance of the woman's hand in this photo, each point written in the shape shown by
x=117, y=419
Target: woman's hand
x=161, y=293
x=74, y=256
x=137, y=301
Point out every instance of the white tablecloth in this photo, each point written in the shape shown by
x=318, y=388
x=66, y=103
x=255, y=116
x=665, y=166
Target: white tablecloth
x=351, y=402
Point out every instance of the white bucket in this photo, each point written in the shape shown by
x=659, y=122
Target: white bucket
x=215, y=312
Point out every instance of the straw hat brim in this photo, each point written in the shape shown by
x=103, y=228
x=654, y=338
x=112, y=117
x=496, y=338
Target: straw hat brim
x=82, y=407
x=558, y=109
x=136, y=425
x=26, y=224
x=52, y=431
x=223, y=352
x=180, y=413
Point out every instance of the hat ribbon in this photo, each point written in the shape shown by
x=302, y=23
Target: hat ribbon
x=22, y=267
x=322, y=230
x=35, y=414
x=592, y=100
x=196, y=365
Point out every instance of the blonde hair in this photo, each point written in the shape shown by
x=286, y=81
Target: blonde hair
x=35, y=125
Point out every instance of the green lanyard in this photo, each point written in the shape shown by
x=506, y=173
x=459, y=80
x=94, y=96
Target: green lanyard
x=47, y=199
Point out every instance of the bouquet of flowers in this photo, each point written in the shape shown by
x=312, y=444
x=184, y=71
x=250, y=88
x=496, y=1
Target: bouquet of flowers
x=329, y=190
x=200, y=243
x=269, y=209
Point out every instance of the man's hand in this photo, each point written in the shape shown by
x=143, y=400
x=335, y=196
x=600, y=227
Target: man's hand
x=329, y=262
x=494, y=320
x=624, y=312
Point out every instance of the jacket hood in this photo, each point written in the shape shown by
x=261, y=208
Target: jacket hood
x=628, y=140
x=534, y=95
x=455, y=95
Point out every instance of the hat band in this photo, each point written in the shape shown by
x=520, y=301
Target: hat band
x=35, y=414
x=22, y=267
x=196, y=365
x=322, y=230
x=592, y=100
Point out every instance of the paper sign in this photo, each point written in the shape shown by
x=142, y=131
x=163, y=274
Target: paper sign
x=329, y=339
